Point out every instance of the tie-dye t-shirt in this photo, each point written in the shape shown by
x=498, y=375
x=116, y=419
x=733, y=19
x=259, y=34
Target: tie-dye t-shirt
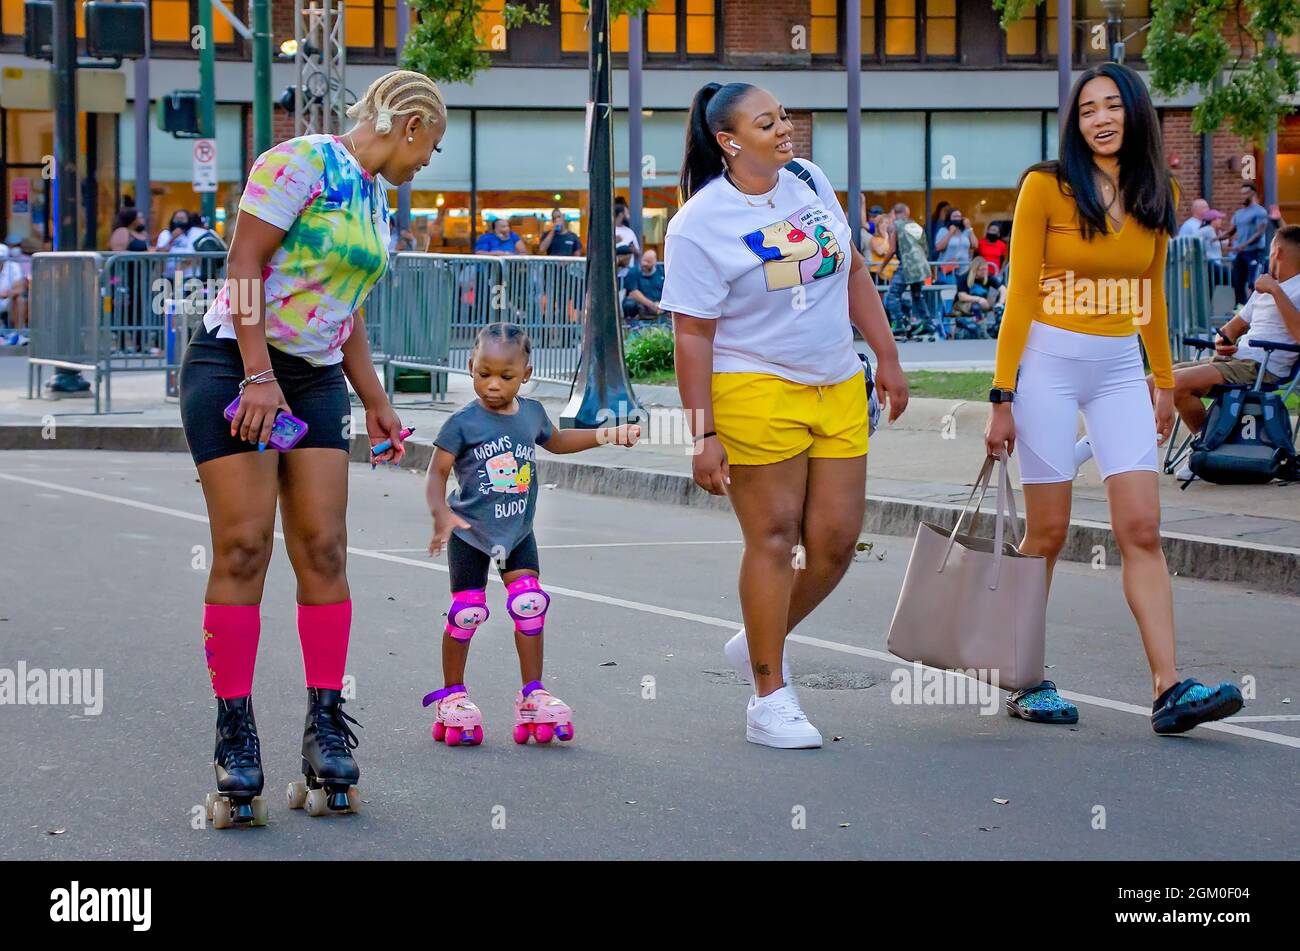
x=336, y=221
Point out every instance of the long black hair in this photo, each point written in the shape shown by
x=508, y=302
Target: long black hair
x=711, y=112
x=1144, y=178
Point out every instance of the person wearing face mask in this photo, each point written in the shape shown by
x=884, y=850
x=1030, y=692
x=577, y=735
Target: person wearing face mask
x=1090, y=237
x=992, y=248
x=954, y=247
x=765, y=285
x=281, y=337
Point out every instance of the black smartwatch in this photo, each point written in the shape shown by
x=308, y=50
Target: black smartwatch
x=1002, y=396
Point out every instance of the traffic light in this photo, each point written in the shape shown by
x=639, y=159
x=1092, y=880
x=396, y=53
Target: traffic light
x=114, y=30
x=38, y=36
x=178, y=113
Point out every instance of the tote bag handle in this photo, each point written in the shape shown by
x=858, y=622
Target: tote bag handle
x=1006, y=510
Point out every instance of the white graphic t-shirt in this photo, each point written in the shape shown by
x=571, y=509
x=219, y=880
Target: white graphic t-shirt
x=775, y=277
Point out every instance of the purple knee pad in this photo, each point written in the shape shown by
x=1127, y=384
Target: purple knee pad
x=468, y=610
x=527, y=604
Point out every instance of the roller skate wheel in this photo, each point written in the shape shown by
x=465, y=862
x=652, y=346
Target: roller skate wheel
x=476, y=738
x=318, y=802
x=354, y=799
x=221, y=814
x=453, y=736
x=296, y=794
x=544, y=733
x=521, y=733
x=439, y=730
x=564, y=732
x=208, y=800
x=260, y=811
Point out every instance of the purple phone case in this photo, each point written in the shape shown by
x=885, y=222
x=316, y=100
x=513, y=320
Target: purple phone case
x=285, y=434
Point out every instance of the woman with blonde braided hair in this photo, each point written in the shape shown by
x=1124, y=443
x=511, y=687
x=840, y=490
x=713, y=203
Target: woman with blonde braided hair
x=310, y=242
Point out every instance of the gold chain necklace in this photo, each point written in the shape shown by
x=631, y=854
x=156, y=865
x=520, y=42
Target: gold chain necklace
x=767, y=199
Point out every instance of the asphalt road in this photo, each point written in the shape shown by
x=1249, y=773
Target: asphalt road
x=104, y=577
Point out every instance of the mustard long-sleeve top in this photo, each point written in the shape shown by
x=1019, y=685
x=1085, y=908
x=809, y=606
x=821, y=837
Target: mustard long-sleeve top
x=1109, y=286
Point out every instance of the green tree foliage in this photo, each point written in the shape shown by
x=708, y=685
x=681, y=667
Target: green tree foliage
x=445, y=42
x=1245, y=86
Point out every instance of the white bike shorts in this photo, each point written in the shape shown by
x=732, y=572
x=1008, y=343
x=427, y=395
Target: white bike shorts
x=1064, y=372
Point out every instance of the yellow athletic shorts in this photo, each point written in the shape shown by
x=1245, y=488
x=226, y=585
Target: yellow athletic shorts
x=762, y=418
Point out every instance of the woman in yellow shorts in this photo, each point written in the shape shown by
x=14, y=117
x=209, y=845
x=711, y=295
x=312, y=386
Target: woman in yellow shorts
x=763, y=280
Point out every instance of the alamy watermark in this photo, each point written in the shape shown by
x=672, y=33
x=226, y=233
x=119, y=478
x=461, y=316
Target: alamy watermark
x=1091, y=297
x=928, y=686
x=57, y=686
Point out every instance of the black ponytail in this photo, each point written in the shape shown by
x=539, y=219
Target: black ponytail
x=711, y=111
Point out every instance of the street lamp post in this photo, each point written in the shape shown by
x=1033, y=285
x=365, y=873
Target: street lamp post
x=1114, y=28
x=605, y=397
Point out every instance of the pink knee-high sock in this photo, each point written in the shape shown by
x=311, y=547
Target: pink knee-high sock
x=230, y=633
x=323, y=630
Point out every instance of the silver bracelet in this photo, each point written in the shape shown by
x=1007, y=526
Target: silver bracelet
x=264, y=376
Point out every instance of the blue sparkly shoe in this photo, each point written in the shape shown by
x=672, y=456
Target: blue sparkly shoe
x=1190, y=702
x=1041, y=704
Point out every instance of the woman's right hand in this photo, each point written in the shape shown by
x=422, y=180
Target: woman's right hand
x=255, y=417
x=710, y=467
x=1000, y=433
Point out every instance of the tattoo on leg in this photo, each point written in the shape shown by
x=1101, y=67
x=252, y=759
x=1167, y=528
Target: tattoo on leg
x=762, y=670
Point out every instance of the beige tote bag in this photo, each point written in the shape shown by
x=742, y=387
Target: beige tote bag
x=969, y=602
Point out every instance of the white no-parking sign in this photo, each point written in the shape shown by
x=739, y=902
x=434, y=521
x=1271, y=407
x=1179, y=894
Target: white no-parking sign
x=205, y=165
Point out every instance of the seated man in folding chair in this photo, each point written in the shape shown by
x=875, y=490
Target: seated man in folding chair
x=1271, y=313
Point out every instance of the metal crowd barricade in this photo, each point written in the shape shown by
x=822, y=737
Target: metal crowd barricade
x=1187, y=293
x=64, y=327
x=435, y=305
x=140, y=289
x=548, y=295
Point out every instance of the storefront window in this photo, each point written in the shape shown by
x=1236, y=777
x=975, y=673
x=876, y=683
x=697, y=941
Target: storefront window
x=900, y=28
x=11, y=17
x=940, y=27
x=977, y=160
x=823, y=37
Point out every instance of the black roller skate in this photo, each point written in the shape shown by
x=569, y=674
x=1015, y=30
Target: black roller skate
x=329, y=771
x=237, y=760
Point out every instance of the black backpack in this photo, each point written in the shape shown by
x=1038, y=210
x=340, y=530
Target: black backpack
x=1246, y=440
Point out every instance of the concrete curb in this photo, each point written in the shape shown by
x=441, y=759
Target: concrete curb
x=1261, y=567
x=120, y=438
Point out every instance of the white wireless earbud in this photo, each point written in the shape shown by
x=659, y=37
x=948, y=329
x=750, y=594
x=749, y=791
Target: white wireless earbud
x=732, y=143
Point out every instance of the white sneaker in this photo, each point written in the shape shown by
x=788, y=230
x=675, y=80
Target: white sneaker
x=778, y=720
x=1184, y=473
x=737, y=653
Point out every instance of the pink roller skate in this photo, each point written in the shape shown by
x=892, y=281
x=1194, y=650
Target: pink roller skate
x=457, y=722
x=541, y=716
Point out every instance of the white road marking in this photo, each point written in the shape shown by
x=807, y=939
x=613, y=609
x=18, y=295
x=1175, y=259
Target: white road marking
x=725, y=541
x=730, y=625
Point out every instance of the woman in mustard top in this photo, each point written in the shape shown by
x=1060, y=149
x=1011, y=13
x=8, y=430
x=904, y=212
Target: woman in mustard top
x=1088, y=249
